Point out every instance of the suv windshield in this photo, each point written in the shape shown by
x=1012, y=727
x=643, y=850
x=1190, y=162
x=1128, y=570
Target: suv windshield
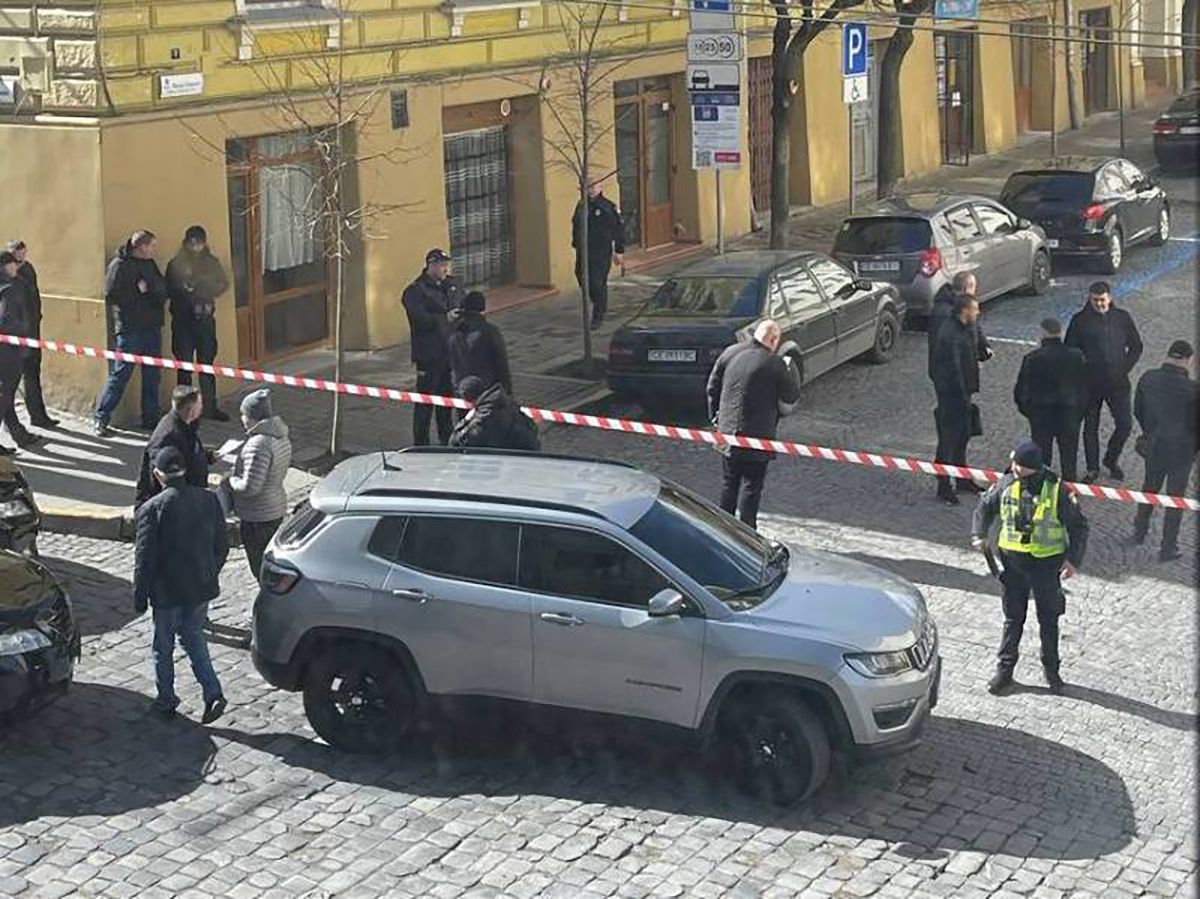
x=731, y=560
x=1027, y=190
x=869, y=237
x=706, y=297
x=1186, y=103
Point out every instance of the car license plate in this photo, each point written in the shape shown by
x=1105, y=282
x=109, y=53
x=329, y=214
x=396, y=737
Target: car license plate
x=879, y=266
x=1052, y=243
x=1190, y=129
x=670, y=355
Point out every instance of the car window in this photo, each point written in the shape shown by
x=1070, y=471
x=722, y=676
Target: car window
x=701, y=296
x=831, y=276
x=994, y=220
x=1030, y=193
x=1132, y=174
x=1111, y=182
x=385, y=539
x=800, y=290
x=776, y=302
x=943, y=235
x=585, y=565
x=468, y=549
x=877, y=236
x=963, y=224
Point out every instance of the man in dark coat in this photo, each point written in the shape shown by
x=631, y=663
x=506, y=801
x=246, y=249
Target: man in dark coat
x=962, y=284
x=1051, y=390
x=477, y=346
x=1112, y=346
x=749, y=388
x=178, y=428
x=955, y=373
x=428, y=302
x=180, y=549
x=31, y=377
x=135, y=293
x=1167, y=406
x=605, y=242
x=14, y=319
x=496, y=421
x=195, y=279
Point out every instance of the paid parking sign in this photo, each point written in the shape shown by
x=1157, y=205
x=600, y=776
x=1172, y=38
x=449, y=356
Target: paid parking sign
x=716, y=131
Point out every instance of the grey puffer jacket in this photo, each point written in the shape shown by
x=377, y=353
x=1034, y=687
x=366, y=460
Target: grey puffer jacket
x=257, y=479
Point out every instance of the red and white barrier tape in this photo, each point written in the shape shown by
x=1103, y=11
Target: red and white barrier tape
x=648, y=429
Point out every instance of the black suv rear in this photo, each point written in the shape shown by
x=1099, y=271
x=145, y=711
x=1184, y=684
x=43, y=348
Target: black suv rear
x=39, y=639
x=1177, y=134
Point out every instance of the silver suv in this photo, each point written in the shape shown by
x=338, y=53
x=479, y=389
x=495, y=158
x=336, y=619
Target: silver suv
x=425, y=575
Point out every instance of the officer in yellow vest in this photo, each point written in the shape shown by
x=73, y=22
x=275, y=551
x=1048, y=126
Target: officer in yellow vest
x=1042, y=538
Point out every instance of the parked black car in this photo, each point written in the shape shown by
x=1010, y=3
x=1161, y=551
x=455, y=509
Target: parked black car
x=1091, y=207
x=1177, y=134
x=827, y=314
x=39, y=639
x=20, y=518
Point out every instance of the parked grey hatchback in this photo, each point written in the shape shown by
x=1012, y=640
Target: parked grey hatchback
x=419, y=576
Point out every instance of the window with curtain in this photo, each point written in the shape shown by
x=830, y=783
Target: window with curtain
x=478, y=207
x=290, y=207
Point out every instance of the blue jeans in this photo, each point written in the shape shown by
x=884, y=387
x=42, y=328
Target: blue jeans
x=145, y=343
x=187, y=624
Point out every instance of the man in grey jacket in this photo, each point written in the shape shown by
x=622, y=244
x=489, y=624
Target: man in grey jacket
x=259, y=498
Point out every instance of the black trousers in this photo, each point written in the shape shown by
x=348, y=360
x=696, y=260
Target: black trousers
x=1022, y=574
x=1117, y=400
x=597, y=285
x=743, y=476
x=256, y=535
x=953, y=421
x=436, y=381
x=195, y=340
x=11, y=366
x=31, y=382
x=1173, y=472
x=1057, y=424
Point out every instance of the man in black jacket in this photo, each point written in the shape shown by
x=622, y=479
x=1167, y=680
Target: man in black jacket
x=1167, y=406
x=1112, y=346
x=180, y=550
x=605, y=241
x=14, y=319
x=955, y=373
x=496, y=421
x=195, y=279
x=31, y=377
x=749, y=388
x=428, y=302
x=135, y=293
x=962, y=284
x=1051, y=390
x=477, y=347
x=179, y=428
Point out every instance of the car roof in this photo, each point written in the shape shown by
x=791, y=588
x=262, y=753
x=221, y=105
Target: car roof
x=1082, y=164
x=614, y=491
x=918, y=205
x=743, y=263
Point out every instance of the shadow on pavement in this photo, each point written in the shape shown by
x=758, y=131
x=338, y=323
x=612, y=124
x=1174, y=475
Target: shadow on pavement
x=99, y=751
x=1184, y=721
x=934, y=574
x=1046, y=800
x=102, y=602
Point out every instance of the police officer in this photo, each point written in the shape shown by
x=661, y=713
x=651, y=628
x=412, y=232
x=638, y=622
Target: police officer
x=428, y=302
x=1042, y=538
x=606, y=236
x=1051, y=391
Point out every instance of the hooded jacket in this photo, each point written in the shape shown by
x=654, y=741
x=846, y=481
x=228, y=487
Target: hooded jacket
x=496, y=422
x=131, y=310
x=194, y=281
x=262, y=464
x=180, y=549
x=1110, y=343
x=477, y=348
x=172, y=431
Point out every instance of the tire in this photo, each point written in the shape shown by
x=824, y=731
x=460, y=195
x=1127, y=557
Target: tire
x=797, y=369
x=1163, y=233
x=887, y=333
x=1039, y=274
x=359, y=699
x=1115, y=254
x=778, y=748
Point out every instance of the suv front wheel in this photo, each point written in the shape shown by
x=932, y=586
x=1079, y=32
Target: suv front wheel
x=778, y=748
x=358, y=699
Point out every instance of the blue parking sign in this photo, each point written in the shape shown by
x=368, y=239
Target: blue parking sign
x=854, y=49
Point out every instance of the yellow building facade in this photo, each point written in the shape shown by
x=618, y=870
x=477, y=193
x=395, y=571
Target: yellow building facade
x=457, y=121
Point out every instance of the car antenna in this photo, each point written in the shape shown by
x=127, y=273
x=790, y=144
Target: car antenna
x=387, y=466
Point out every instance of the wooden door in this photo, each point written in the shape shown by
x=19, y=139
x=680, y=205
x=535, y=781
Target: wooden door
x=657, y=173
x=760, y=76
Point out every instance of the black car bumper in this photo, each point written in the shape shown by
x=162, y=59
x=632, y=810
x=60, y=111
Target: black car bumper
x=1178, y=152
x=1077, y=244
x=34, y=679
x=685, y=385
x=281, y=675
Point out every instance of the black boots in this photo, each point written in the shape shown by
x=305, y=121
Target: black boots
x=1001, y=681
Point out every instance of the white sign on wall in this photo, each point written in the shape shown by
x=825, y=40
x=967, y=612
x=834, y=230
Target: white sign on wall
x=189, y=85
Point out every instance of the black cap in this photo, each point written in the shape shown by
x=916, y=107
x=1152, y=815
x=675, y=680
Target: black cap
x=470, y=387
x=169, y=461
x=7, y=258
x=1028, y=455
x=195, y=234
x=1180, y=349
x=474, y=302
x=436, y=255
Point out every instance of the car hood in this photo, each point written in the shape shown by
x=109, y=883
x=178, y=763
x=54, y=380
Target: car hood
x=834, y=599
x=718, y=328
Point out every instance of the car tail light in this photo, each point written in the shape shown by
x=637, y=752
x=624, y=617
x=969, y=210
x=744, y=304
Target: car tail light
x=620, y=353
x=931, y=262
x=1165, y=127
x=1093, y=212
x=278, y=578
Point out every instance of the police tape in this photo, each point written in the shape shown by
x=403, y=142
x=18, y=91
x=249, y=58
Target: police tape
x=623, y=425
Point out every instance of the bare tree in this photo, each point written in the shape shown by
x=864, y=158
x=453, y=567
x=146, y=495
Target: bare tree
x=788, y=44
x=1068, y=67
x=1191, y=25
x=890, y=143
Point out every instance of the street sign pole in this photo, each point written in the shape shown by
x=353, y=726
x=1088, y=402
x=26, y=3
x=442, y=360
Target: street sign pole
x=720, y=217
x=855, y=89
x=850, y=153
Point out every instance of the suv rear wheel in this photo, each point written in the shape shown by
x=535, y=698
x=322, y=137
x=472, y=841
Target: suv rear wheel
x=358, y=698
x=778, y=748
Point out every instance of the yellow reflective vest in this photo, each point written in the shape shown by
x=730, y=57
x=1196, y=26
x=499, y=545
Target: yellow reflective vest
x=1043, y=535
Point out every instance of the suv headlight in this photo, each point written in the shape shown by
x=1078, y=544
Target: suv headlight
x=14, y=643
x=879, y=664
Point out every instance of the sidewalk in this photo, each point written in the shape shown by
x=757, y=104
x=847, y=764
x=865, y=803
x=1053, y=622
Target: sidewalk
x=85, y=484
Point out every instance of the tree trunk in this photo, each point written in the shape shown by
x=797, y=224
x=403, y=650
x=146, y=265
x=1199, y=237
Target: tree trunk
x=584, y=222
x=781, y=136
x=889, y=162
x=1069, y=68
x=1191, y=25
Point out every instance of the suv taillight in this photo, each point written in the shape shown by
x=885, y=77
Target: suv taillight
x=1165, y=126
x=1093, y=212
x=931, y=262
x=278, y=578
x=620, y=353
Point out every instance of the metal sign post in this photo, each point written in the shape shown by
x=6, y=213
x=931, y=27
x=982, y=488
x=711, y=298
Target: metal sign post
x=855, y=87
x=720, y=217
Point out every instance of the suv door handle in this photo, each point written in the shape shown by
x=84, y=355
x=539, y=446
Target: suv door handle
x=561, y=619
x=418, y=596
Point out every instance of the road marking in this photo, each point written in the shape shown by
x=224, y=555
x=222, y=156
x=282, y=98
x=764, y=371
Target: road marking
x=1018, y=341
x=1185, y=239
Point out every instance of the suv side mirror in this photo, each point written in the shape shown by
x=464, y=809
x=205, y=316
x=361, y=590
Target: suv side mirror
x=1024, y=224
x=666, y=603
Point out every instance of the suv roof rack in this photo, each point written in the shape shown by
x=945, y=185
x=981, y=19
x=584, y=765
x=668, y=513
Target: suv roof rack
x=489, y=451
x=478, y=498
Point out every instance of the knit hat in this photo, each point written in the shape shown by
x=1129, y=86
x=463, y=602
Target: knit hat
x=257, y=406
x=1180, y=349
x=470, y=387
x=169, y=461
x=1028, y=455
x=474, y=302
x=195, y=234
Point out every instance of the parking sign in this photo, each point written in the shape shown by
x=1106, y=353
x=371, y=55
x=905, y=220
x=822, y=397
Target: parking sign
x=854, y=49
